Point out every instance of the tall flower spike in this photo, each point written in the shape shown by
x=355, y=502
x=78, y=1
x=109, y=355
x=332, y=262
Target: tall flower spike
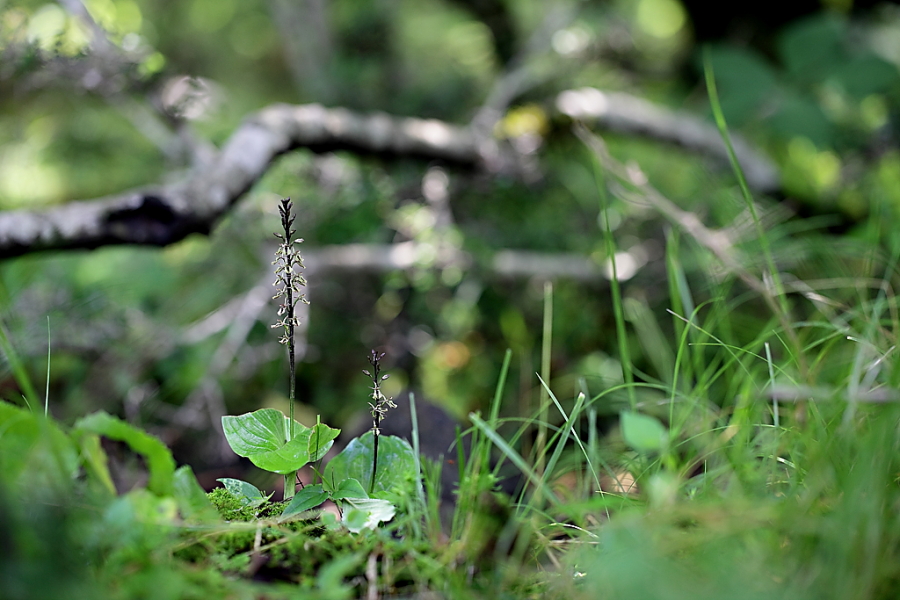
x=380, y=405
x=288, y=282
x=288, y=279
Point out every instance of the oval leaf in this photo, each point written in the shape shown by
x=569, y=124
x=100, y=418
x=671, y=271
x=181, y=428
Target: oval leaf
x=349, y=488
x=262, y=435
x=643, y=433
x=396, y=464
x=253, y=433
x=306, y=499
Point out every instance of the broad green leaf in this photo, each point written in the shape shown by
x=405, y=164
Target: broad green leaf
x=193, y=503
x=349, y=488
x=262, y=436
x=306, y=499
x=396, y=465
x=257, y=432
x=801, y=115
x=643, y=433
x=809, y=48
x=366, y=513
x=247, y=493
x=34, y=453
x=866, y=75
x=159, y=459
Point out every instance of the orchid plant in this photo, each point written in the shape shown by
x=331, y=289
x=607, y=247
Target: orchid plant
x=278, y=443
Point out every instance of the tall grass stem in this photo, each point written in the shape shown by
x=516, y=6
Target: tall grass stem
x=546, y=353
x=778, y=303
x=47, y=385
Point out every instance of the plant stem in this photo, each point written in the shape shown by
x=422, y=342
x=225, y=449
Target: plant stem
x=374, y=462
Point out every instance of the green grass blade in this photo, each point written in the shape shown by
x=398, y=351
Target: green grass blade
x=515, y=458
x=780, y=302
x=420, y=491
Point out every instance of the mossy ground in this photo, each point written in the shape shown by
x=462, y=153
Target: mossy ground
x=254, y=545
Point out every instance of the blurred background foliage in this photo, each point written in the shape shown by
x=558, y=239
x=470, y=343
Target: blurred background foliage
x=172, y=338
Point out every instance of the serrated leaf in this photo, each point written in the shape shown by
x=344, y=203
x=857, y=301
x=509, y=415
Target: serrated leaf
x=366, y=513
x=643, y=433
x=95, y=461
x=396, y=465
x=159, y=460
x=306, y=499
x=247, y=493
x=262, y=436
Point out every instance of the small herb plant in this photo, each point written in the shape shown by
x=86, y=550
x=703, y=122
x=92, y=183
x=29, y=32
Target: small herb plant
x=277, y=443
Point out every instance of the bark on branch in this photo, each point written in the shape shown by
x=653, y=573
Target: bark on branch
x=164, y=214
x=504, y=264
x=628, y=114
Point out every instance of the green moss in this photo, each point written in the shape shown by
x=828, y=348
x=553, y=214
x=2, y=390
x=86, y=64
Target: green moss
x=232, y=508
x=299, y=551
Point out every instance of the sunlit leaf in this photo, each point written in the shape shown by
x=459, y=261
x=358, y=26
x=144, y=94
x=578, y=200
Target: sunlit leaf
x=643, y=433
x=262, y=436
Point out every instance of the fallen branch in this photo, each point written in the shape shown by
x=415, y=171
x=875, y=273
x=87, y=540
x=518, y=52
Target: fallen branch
x=164, y=214
x=629, y=114
x=504, y=264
